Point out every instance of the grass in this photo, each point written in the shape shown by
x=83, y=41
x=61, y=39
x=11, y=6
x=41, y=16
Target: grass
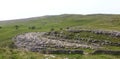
x=6, y=53
x=8, y=31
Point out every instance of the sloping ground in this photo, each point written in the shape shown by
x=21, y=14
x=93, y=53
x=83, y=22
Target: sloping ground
x=100, y=21
x=67, y=39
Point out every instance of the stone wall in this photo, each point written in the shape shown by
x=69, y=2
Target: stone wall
x=62, y=51
x=106, y=52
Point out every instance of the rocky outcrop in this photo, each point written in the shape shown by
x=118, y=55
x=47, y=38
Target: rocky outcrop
x=110, y=33
x=98, y=42
x=114, y=34
x=35, y=41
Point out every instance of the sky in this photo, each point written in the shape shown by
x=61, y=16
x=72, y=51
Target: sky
x=15, y=9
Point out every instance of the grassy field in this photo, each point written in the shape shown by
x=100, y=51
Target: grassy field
x=95, y=21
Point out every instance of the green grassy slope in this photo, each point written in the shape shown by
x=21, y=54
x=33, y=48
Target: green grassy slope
x=95, y=21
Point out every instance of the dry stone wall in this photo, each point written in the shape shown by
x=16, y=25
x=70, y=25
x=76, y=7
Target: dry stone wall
x=106, y=52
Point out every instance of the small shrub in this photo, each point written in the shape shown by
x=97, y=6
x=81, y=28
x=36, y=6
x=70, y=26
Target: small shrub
x=61, y=28
x=32, y=27
x=68, y=28
x=52, y=29
x=0, y=27
x=16, y=26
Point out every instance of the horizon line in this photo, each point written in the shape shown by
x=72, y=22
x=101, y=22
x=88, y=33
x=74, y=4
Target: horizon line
x=60, y=14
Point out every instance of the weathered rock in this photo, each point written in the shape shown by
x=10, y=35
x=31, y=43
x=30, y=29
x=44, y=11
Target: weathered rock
x=110, y=33
x=35, y=41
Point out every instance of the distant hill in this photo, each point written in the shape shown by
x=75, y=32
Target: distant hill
x=111, y=21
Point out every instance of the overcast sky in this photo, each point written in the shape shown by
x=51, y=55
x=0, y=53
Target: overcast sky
x=13, y=9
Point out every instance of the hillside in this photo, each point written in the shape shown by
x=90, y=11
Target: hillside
x=9, y=29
